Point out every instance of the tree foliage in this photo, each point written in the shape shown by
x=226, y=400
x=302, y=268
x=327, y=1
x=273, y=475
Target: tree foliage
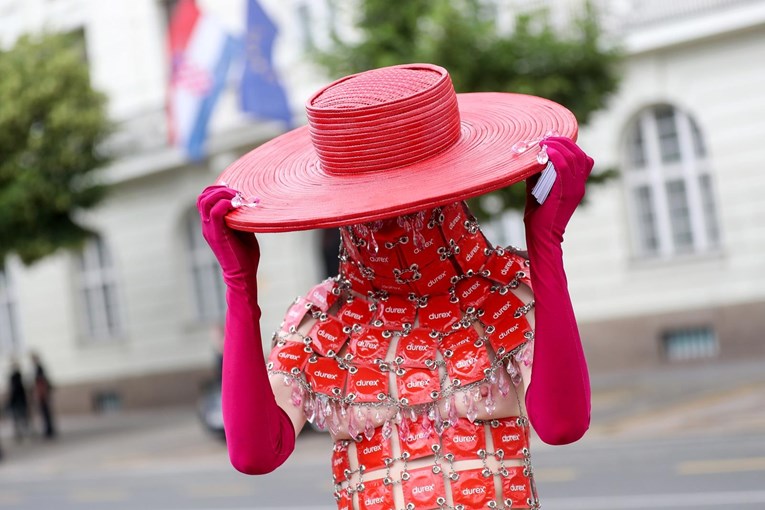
x=51, y=125
x=570, y=65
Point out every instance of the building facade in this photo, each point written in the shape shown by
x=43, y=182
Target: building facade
x=664, y=263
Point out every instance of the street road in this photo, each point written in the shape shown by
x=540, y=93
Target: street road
x=700, y=473
x=707, y=452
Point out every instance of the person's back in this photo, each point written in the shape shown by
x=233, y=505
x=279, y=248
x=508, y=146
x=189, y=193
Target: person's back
x=412, y=358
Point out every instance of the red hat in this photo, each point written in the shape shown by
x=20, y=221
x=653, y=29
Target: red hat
x=387, y=142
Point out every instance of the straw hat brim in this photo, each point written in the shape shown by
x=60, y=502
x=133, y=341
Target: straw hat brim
x=294, y=192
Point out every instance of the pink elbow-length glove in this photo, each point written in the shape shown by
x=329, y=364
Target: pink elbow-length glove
x=558, y=398
x=259, y=434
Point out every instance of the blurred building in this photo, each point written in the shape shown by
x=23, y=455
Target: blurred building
x=664, y=262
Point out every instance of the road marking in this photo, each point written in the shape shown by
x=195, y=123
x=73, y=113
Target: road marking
x=703, y=467
x=555, y=474
x=220, y=490
x=695, y=500
x=100, y=495
x=664, y=418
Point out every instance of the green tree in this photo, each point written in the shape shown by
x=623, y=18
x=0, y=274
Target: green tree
x=52, y=124
x=572, y=66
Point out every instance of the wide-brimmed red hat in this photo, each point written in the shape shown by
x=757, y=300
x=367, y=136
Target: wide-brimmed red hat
x=391, y=141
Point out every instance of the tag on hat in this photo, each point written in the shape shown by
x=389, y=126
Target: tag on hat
x=545, y=183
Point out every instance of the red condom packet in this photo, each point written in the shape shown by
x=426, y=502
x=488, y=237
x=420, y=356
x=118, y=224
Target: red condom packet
x=418, y=441
x=417, y=349
x=463, y=439
x=517, y=487
x=369, y=344
x=325, y=376
x=423, y=488
x=328, y=336
x=440, y=313
x=340, y=461
x=417, y=384
x=288, y=356
x=372, y=452
x=376, y=496
x=510, y=437
x=473, y=490
x=367, y=383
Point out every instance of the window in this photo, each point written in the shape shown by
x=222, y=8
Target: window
x=690, y=343
x=670, y=191
x=209, y=289
x=9, y=333
x=98, y=291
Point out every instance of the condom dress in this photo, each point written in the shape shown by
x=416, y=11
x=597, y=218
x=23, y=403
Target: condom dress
x=411, y=356
x=406, y=355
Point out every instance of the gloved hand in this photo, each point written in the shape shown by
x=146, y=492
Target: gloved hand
x=237, y=252
x=259, y=434
x=558, y=398
x=573, y=167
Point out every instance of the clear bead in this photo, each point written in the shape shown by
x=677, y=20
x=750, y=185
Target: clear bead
x=489, y=402
x=369, y=428
x=515, y=375
x=333, y=421
x=503, y=384
x=472, y=412
x=321, y=416
x=353, y=425
x=453, y=411
x=542, y=157
x=403, y=427
x=427, y=425
x=387, y=430
x=520, y=147
x=296, y=397
x=309, y=409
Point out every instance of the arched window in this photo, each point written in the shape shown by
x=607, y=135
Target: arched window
x=9, y=332
x=209, y=289
x=97, y=287
x=669, y=187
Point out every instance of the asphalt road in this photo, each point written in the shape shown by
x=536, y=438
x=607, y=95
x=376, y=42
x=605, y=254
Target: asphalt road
x=699, y=445
x=674, y=473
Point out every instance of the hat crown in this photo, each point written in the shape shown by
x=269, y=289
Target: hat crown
x=383, y=119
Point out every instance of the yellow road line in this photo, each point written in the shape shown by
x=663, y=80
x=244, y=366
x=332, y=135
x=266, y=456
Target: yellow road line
x=702, y=467
x=675, y=409
x=555, y=474
x=220, y=490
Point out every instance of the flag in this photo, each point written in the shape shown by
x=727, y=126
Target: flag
x=201, y=52
x=261, y=93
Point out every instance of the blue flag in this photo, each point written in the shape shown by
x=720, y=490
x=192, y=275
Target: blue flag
x=262, y=95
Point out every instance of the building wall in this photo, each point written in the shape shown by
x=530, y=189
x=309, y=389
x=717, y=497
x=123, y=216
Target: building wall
x=624, y=302
x=622, y=298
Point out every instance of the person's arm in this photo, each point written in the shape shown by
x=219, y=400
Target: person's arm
x=558, y=397
x=260, y=436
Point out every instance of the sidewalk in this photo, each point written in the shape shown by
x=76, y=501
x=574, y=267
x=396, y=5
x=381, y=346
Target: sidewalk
x=710, y=399
x=701, y=399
